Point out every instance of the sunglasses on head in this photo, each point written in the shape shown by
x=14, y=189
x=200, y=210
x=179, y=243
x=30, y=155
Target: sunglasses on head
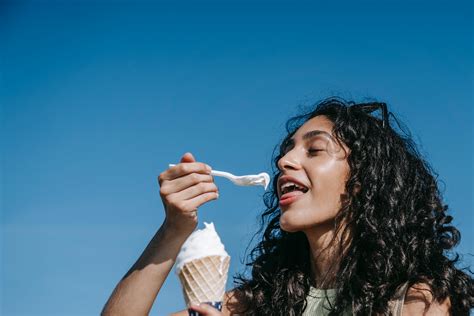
x=373, y=106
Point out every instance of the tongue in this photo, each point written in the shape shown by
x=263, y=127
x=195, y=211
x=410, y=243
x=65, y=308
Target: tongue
x=291, y=194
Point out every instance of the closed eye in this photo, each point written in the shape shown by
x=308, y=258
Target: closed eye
x=314, y=151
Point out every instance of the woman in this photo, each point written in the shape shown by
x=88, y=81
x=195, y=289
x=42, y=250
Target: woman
x=354, y=225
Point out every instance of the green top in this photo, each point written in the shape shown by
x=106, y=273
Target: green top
x=318, y=302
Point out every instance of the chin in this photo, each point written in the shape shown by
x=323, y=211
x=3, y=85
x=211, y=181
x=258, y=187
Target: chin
x=291, y=221
x=289, y=224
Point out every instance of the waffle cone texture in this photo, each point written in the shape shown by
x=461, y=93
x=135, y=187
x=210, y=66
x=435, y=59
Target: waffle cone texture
x=204, y=279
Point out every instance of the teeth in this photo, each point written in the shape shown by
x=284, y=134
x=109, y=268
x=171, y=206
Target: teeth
x=290, y=184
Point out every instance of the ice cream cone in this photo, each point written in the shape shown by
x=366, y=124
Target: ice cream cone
x=202, y=266
x=204, y=279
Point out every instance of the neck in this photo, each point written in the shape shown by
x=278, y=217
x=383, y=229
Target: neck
x=324, y=255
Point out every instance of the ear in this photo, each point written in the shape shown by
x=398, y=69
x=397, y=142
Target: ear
x=188, y=157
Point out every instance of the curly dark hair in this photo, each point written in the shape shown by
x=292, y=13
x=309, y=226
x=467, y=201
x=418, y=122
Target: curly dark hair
x=395, y=217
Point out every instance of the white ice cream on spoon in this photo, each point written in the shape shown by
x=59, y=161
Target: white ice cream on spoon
x=262, y=179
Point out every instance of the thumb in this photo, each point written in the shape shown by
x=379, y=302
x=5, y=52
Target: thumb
x=188, y=157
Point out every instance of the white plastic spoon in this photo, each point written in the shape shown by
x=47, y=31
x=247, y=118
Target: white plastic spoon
x=262, y=179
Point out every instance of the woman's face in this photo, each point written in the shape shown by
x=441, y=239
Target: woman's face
x=318, y=164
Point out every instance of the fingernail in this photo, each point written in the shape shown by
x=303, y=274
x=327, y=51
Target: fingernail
x=208, y=168
x=193, y=307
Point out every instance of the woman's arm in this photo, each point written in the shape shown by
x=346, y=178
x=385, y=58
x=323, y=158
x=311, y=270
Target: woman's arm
x=136, y=292
x=183, y=188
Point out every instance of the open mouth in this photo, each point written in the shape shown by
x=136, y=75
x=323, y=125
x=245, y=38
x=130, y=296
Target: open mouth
x=290, y=192
x=291, y=187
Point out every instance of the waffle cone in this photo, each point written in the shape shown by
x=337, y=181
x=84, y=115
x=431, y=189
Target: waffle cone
x=204, y=279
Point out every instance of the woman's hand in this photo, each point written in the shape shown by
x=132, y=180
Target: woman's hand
x=205, y=310
x=183, y=188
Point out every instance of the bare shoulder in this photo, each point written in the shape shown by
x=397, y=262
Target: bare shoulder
x=230, y=307
x=419, y=301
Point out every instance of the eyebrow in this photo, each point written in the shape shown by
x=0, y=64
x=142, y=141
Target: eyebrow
x=314, y=133
x=310, y=135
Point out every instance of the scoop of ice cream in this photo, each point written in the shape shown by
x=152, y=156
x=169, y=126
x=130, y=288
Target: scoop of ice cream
x=201, y=243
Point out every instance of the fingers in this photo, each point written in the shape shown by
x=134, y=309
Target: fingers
x=189, y=206
x=183, y=169
x=180, y=184
x=188, y=157
x=195, y=190
x=185, y=187
x=199, y=200
x=206, y=310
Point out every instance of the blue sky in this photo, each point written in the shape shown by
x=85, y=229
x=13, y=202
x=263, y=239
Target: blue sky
x=98, y=97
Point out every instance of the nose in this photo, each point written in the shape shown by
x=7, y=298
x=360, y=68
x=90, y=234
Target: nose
x=289, y=161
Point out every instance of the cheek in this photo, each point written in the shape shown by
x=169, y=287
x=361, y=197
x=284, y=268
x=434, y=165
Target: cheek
x=327, y=192
x=330, y=176
x=329, y=183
